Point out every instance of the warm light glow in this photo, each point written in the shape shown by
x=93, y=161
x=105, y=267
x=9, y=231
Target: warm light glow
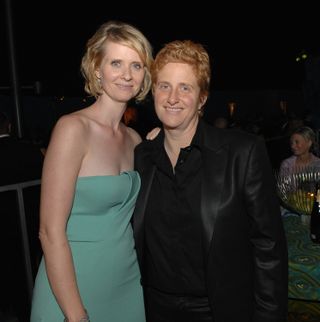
x=130, y=115
x=283, y=106
x=231, y=107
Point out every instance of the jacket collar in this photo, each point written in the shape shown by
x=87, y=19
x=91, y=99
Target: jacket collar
x=214, y=151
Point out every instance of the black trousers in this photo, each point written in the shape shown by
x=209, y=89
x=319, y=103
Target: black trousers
x=163, y=307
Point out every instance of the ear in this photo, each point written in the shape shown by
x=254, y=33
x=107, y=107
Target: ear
x=202, y=101
x=97, y=73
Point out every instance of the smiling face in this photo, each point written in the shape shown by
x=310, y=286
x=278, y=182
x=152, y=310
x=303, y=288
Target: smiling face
x=177, y=96
x=121, y=72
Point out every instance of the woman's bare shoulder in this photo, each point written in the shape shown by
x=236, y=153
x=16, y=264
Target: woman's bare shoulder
x=71, y=122
x=70, y=129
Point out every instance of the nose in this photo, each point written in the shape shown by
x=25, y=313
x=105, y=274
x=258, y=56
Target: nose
x=126, y=73
x=173, y=97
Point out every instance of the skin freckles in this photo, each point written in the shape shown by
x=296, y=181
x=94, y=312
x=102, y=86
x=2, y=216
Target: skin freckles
x=176, y=95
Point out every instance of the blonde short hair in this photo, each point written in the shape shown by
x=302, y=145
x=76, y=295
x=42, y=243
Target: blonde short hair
x=121, y=33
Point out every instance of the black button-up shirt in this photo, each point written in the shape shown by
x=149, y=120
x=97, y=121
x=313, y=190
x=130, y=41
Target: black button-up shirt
x=174, y=256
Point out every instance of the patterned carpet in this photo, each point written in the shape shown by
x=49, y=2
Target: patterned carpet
x=302, y=317
x=300, y=311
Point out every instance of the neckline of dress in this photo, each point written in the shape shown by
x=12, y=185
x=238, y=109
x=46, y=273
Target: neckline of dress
x=108, y=175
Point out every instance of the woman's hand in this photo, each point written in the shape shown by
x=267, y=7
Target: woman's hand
x=153, y=133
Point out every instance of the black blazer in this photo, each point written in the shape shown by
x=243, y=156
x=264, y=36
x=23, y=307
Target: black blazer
x=243, y=236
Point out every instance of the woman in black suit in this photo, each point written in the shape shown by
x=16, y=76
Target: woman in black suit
x=208, y=231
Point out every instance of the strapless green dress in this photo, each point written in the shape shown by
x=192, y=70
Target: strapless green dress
x=101, y=240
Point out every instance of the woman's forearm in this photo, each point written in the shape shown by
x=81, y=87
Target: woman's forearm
x=62, y=276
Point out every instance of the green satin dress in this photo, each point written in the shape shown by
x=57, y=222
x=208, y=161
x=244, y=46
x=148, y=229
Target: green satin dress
x=101, y=240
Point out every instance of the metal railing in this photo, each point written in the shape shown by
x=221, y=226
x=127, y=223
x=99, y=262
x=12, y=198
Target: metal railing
x=18, y=188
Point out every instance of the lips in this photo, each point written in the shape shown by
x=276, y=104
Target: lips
x=173, y=109
x=124, y=86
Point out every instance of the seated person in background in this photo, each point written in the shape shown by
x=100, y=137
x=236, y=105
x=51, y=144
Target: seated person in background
x=304, y=148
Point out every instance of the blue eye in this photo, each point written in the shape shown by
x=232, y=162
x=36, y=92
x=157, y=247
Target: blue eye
x=137, y=66
x=115, y=63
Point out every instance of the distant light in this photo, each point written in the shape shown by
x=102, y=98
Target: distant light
x=301, y=56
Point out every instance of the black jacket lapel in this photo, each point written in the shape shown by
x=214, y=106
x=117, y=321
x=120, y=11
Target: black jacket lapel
x=214, y=166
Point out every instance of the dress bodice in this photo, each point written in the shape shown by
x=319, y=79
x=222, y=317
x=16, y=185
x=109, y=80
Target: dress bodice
x=102, y=202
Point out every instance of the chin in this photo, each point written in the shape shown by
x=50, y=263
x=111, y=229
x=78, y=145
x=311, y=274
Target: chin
x=170, y=120
x=171, y=125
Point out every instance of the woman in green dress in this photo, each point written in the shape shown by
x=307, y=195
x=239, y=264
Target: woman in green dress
x=89, y=189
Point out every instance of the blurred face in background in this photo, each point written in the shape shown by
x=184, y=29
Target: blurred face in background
x=299, y=145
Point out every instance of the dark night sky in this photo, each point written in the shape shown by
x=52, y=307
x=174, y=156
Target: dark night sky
x=251, y=47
